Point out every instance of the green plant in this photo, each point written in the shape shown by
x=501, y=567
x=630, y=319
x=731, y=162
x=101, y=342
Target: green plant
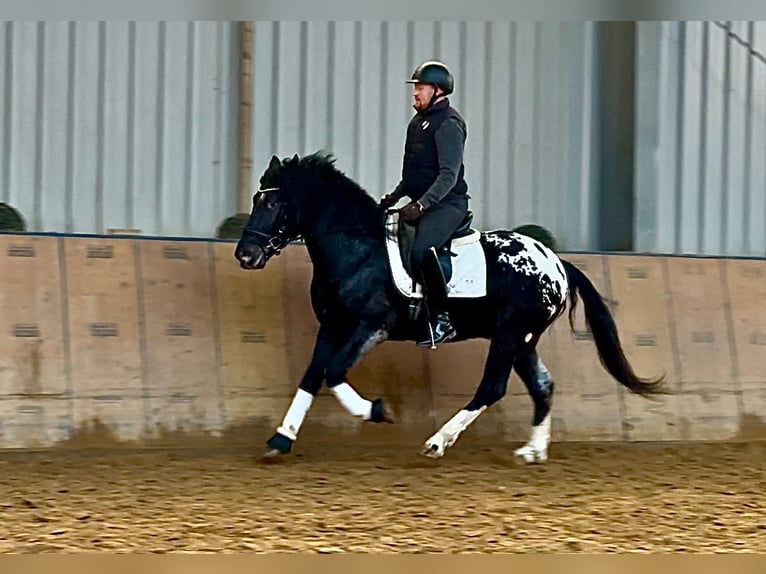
x=11, y=219
x=232, y=226
x=538, y=232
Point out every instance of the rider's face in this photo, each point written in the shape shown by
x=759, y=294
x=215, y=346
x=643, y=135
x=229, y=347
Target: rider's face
x=421, y=95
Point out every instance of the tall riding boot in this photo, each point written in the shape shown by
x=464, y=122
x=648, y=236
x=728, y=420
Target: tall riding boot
x=436, y=300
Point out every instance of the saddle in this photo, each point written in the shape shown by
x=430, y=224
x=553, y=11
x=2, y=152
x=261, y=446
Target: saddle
x=461, y=258
x=406, y=236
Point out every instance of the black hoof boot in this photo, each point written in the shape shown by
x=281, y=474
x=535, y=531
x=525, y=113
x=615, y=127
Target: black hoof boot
x=443, y=331
x=380, y=412
x=278, y=445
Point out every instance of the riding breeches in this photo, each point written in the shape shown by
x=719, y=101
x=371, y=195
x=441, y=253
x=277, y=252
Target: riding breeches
x=436, y=226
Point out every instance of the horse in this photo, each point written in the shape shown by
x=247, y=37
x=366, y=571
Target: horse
x=358, y=307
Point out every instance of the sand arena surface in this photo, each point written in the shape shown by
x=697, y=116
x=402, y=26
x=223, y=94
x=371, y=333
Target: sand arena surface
x=587, y=498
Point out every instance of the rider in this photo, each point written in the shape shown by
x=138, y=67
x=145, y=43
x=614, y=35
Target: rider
x=432, y=177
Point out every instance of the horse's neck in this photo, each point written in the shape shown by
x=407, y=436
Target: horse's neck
x=338, y=248
x=319, y=222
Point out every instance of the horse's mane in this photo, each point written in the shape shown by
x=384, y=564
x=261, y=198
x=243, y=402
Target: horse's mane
x=318, y=172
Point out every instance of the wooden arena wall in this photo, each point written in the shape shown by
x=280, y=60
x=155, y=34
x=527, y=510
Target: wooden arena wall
x=109, y=341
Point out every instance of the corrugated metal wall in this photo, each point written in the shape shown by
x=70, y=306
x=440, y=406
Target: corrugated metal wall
x=133, y=125
x=119, y=125
x=701, y=138
x=525, y=89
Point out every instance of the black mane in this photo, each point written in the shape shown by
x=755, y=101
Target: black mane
x=317, y=172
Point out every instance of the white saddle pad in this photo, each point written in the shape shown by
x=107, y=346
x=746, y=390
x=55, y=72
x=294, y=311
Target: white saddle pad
x=469, y=268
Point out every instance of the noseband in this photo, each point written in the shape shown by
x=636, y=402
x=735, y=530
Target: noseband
x=277, y=242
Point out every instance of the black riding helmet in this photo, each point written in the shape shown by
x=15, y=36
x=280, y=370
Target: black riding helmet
x=435, y=73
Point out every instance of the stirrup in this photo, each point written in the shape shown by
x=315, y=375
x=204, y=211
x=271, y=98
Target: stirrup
x=436, y=336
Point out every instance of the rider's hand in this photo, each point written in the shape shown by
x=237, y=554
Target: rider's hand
x=388, y=200
x=411, y=212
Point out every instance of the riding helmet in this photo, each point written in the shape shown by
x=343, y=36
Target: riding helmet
x=433, y=72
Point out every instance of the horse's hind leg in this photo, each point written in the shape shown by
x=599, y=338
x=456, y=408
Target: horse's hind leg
x=491, y=389
x=537, y=379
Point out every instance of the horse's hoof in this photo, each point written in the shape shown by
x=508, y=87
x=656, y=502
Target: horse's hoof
x=280, y=444
x=272, y=456
x=388, y=414
x=528, y=455
x=431, y=451
x=381, y=412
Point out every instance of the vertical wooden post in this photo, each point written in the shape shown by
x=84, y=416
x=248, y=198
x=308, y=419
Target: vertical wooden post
x=244, y=175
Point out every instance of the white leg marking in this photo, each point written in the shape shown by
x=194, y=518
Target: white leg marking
x=447, y=435
x=536, y=449
x=352, y=402
x=293, y=420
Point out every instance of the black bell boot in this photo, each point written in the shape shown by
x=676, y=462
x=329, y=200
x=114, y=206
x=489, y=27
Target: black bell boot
x=443, y=331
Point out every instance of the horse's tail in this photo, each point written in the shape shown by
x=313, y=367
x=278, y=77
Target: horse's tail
x=601, y=324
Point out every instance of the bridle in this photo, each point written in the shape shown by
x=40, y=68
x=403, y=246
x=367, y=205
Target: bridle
x=274, y=243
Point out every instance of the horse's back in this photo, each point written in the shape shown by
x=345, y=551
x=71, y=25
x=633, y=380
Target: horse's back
x=522, y=268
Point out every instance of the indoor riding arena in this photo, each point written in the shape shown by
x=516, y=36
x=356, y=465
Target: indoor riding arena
x=140, y=379
x=142, y=370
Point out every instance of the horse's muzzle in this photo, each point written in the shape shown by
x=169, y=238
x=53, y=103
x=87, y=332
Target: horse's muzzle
x=253, y=257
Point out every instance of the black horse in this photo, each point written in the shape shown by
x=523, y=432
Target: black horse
x=357, y=305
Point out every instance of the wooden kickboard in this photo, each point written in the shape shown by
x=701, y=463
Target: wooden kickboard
x=455, y=368
x=301, y=324
x=660, y=418
x=105, y=340
x=701, y=329
x=32, y=358
x=642, y=313
x=181, y=336
x=108, y=420
x=576, y=366
x=746, y=282
x=34, y=421
x=753, y=417
x=253, y=333
x=107, y=367
x=586, y=397
x=710, y=414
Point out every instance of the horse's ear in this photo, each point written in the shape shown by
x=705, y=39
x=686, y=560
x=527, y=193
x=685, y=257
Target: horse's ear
x=274, y=163
x=296, y=159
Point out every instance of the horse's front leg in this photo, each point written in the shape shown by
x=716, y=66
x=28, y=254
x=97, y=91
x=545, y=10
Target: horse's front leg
x=287, y=432
x=364, y=338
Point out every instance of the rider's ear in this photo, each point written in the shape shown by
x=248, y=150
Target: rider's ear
x=274, y=162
